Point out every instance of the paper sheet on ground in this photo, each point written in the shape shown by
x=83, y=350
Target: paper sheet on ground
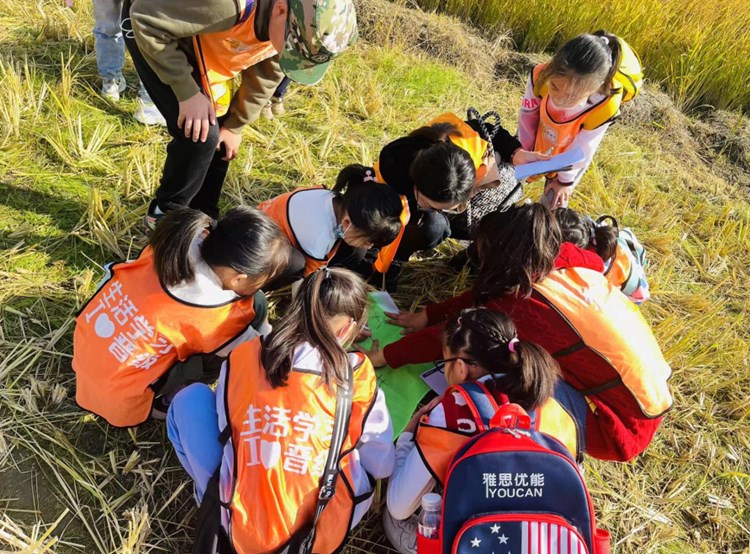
x=561, y=162
x=403, y=387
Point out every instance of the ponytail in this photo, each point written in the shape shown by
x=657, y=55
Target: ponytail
x=171, y=243
x=532, y=378
x=586, y=233
x=374, y=208
x=615, y=53
x=245, y=240
x=522, y=370
x=323, y=295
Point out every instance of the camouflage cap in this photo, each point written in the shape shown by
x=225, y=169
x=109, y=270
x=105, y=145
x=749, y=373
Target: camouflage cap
x=317, y=32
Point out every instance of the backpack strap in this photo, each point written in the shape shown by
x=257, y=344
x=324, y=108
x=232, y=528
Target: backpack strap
x=480, y=402
x=344, y=396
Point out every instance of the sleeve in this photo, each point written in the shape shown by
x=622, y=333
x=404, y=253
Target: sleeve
x=411, y=479
x=416, y=348
x=376, y=451
x=258, y=84
x=528, y=118
x=159, y=25
x=249, y=334
x=589, y=142
x=442, y=311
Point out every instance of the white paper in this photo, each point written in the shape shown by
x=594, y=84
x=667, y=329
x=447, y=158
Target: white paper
x=384, y=300
x=562, y=162
x=435, y=379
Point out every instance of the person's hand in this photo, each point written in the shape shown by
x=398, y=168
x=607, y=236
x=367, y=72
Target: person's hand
x=522, y=156
x=557, y=194
x=374, y=353
x=410, y=321
x=196, y=115
x=231, y=142
x=426, y=409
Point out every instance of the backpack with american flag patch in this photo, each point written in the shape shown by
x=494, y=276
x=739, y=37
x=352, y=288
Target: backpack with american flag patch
x=511, y=489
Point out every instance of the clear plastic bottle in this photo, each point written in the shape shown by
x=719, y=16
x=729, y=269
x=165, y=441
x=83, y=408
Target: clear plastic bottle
x=429, y=520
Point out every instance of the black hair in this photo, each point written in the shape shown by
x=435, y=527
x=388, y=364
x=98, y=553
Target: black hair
x=527, y=375
x=443, y=172
x=517, y=248
x=374, y=208
x=245, y=239
x=589, y=56
x=587, y=233
x=325, y=294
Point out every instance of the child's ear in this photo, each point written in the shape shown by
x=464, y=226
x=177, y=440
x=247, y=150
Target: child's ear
x=462, y=370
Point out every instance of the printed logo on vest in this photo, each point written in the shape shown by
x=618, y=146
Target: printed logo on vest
x=550, y=135
x=235, y=46
x=513, y=485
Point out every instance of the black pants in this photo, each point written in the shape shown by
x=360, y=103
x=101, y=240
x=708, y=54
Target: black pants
x=424, y=231
x=194, y=172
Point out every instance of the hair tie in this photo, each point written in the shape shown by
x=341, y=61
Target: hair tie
x=368, y=177
x=605, y=40
x=512, y=345
x=459, y=321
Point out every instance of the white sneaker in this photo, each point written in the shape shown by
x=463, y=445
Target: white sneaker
x=401, y=533
x=148, y=114
x=267, y=111
x=111, y=88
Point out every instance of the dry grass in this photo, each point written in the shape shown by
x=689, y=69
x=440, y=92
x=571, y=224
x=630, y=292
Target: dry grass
x=700, y=51
x=75, y=176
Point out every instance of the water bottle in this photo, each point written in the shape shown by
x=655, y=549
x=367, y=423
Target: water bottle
x=428, y=525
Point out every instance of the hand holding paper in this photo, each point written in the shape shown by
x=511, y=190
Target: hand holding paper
x=562, y=162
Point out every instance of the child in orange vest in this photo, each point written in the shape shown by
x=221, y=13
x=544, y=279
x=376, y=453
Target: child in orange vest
x=570, y=103
x=623, y=267
x=168, y=316
x=274, y=411
x=358, y=212
x=479, y=345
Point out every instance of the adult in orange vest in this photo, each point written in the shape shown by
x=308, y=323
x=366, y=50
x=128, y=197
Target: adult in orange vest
x=188, y=53
x=479, y=346
x=357, y=212
x=569, y=104
x=440, y=169
x=274, y=409
x=168, y=317
x=557, y=296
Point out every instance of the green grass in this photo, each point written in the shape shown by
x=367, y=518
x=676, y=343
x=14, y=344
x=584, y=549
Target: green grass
x=700, y=51
x=70, y=201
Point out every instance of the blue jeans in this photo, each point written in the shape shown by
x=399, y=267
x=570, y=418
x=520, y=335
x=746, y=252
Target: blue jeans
x=109, y=43
x=193, y=428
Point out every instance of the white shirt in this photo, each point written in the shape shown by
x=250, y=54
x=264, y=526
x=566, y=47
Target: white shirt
x=313, y=221
x=588, y=141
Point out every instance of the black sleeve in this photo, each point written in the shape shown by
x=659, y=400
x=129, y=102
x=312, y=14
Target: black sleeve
x=503, y=142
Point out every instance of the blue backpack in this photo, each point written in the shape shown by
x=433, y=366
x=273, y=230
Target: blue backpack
x=513, y=489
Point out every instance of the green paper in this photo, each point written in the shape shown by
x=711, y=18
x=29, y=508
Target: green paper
x=403, y=387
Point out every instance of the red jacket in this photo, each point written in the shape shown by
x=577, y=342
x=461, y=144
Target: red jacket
x=611, y=434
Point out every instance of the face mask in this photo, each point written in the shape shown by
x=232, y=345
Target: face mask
x=339, y=232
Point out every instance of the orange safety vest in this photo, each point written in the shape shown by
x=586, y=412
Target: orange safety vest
x=438, y=445
x=555, y=134
x=133, y=331
x=223, y=55
x=280, y=447
x=278, y=210
x=612, y=327
x=620, y=270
